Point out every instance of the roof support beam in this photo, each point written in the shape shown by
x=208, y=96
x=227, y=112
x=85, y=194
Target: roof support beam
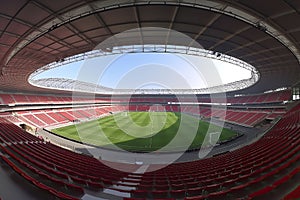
x=229, y=37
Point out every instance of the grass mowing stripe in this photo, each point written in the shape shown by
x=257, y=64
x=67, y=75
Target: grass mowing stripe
x=91, y=134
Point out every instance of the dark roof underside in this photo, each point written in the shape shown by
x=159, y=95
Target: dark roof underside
x=37, y=32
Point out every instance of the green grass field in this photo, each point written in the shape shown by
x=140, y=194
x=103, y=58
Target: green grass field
x=144, y=131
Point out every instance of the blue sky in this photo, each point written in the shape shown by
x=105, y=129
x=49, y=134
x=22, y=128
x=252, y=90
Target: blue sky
x=150, y=70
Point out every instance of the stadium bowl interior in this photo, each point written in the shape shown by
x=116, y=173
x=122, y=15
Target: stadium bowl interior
x=261, y=162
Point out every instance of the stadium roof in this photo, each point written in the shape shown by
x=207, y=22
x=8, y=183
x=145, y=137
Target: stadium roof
x=265, y=34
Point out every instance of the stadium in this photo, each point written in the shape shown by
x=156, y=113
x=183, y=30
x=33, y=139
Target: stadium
x=151, y=135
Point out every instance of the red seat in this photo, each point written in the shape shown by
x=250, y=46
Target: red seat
x=140, y=193
x=160, y=193
x=218, y=195
x=178, y=193
x=195, y=198
x=194, y=191
x=261, y=192
x=294, y=195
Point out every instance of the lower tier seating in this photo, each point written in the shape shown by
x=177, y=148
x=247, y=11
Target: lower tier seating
x=256, y=171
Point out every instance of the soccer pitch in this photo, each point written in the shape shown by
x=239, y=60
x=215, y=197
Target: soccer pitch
x=144, y=131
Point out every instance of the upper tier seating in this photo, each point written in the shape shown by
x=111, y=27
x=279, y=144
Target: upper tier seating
x=274, y=97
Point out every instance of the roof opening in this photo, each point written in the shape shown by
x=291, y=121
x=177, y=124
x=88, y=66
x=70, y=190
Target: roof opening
x=149, y=58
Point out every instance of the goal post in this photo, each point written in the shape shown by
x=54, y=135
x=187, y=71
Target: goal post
x=214, y=137
x=125, y=114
